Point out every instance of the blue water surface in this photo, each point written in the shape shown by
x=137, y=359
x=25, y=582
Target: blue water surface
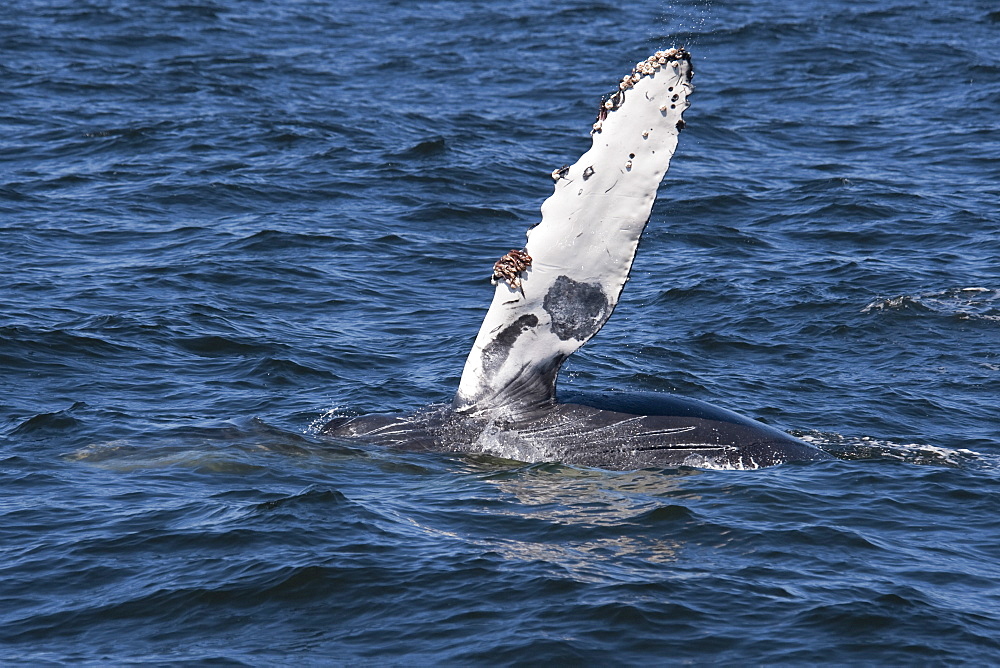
x=222, y=221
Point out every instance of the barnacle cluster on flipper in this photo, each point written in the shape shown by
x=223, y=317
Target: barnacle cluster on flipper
x=509, y=268
x=670, y=58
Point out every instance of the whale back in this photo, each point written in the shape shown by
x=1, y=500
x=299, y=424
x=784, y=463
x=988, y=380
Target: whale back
x=556, y=295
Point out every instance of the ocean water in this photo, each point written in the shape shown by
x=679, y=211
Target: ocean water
x=222, y=222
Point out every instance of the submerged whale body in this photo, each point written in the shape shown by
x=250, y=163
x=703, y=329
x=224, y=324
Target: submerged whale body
x=556, y=294
x=612, y=431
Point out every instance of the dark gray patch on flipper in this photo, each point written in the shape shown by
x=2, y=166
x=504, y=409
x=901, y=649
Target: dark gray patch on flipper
x=577, y=309
x=496, y=352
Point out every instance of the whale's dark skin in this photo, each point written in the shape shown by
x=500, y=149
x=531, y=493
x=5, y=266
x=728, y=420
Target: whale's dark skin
x=611, y=431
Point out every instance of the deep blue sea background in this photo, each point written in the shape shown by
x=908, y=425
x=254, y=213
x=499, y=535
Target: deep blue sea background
x=221, y=221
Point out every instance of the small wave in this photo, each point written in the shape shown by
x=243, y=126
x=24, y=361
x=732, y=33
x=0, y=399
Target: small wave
x=866, y=447
x=427, y=148
x=56, y=422
x=972, y=303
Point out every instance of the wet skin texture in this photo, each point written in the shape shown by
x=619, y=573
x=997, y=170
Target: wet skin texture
x=607, y=430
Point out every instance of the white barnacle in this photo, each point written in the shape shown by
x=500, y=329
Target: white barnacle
x=608, y=104
x=645, y=134
x=673, y=64
x=662, y=60
x=636, y=77
x=664, y=107
x=597, y=127
x=628, y=164
x=638, y=65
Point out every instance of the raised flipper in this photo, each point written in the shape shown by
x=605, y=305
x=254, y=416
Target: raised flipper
x=555, y=295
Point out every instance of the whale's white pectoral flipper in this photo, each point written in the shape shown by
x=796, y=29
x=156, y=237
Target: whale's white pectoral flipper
x=555, y=295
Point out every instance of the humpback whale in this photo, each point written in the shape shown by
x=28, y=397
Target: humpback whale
x=556, y=293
